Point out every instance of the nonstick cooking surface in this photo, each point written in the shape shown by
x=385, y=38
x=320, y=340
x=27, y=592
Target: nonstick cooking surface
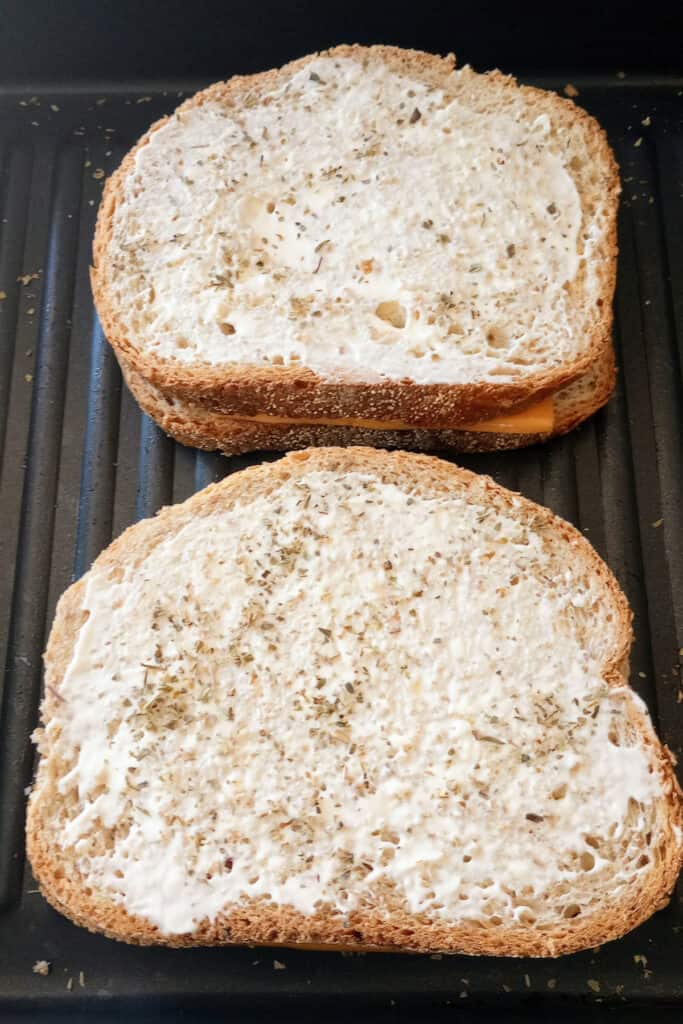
x=79, y=463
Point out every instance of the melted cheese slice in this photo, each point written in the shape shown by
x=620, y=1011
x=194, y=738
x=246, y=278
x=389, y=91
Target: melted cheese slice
x=536, y=419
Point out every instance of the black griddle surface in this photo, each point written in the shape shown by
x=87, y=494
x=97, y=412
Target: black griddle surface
x=79, y=463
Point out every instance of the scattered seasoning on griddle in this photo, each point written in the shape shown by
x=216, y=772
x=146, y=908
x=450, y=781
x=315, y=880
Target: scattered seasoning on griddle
x=42, y=967
x=639, y=958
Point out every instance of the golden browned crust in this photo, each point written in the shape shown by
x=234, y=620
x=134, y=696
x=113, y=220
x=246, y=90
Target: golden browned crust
x=288, y=390
x=260, y=922
x=194, y=425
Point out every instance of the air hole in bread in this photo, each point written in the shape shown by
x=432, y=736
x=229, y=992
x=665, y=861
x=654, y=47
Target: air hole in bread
x=496, y=337
x=227, y=328
x=112, y=727
x=560, y=792
x=633, y=811
x=587, y=861
x=510, y=370
x=643, y=860
x=392, y=313
x=472, y=347
x=182, y=343
x=572, y=910
x=613, y=737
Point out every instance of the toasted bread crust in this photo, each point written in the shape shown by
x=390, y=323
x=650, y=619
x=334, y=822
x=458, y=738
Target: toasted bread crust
x=192, y=424
x=287, y=390
x=258, y=921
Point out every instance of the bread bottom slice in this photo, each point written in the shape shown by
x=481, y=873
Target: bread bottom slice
x=397, y=718
x=193, y=424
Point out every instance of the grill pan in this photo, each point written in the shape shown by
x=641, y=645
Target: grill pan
x=79, y=463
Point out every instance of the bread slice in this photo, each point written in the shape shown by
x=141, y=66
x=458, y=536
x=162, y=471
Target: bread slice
x=365, y=233
x=351, y=699
x=192, y=423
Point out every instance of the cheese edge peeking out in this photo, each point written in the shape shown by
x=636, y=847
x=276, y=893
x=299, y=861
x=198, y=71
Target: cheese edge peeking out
x=537, y=419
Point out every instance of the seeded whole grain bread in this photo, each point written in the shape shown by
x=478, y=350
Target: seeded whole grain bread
x=351, y=699
x=363, y=233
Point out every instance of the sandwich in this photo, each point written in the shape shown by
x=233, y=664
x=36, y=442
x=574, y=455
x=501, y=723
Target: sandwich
x=353, y=700
x=364, y=246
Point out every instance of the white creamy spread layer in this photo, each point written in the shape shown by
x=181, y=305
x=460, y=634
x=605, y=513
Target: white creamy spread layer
x=363, y=224
x=340, y=695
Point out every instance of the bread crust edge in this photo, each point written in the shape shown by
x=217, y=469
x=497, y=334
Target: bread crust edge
x=193, y=425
